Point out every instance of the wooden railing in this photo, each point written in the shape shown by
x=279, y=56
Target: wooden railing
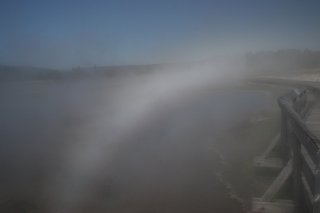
x=301, y=147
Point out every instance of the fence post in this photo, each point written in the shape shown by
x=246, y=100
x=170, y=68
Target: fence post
x=316, y=201
x=285, y=148
x=297, y=167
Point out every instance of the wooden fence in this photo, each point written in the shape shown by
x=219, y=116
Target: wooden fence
x=301, y=147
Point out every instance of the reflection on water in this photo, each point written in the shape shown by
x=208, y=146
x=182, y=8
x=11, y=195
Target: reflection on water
x=108, y=146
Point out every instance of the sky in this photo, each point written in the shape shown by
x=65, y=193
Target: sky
x=69, y=33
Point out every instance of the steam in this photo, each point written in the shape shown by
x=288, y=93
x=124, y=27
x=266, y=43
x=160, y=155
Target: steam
x=119, y=133
x=124, y=109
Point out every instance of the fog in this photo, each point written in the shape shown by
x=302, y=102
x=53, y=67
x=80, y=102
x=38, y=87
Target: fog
x=128, y=143
x=144, y=106
x=177, y=137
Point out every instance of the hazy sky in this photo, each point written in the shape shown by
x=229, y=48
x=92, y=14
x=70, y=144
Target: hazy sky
x=66, y=33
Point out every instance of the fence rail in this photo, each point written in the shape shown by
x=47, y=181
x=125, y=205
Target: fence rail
x=302, y=146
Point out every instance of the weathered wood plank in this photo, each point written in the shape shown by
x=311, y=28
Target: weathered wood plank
x=278, y=182
x=279, y=206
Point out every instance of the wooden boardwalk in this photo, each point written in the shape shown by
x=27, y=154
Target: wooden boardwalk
x=300, y=134
x=312, y=80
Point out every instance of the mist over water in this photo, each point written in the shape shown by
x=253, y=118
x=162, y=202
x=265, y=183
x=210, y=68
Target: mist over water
x=143, y=106
x=123, y=144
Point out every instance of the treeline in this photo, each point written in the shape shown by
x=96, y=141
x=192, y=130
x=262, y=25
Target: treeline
x=112, y=71
x=8, y=73
x=290, y=60
x=283, y=60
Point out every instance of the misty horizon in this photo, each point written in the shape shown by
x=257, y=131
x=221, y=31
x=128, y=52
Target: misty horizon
x=211, y=59
x=159, y=106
